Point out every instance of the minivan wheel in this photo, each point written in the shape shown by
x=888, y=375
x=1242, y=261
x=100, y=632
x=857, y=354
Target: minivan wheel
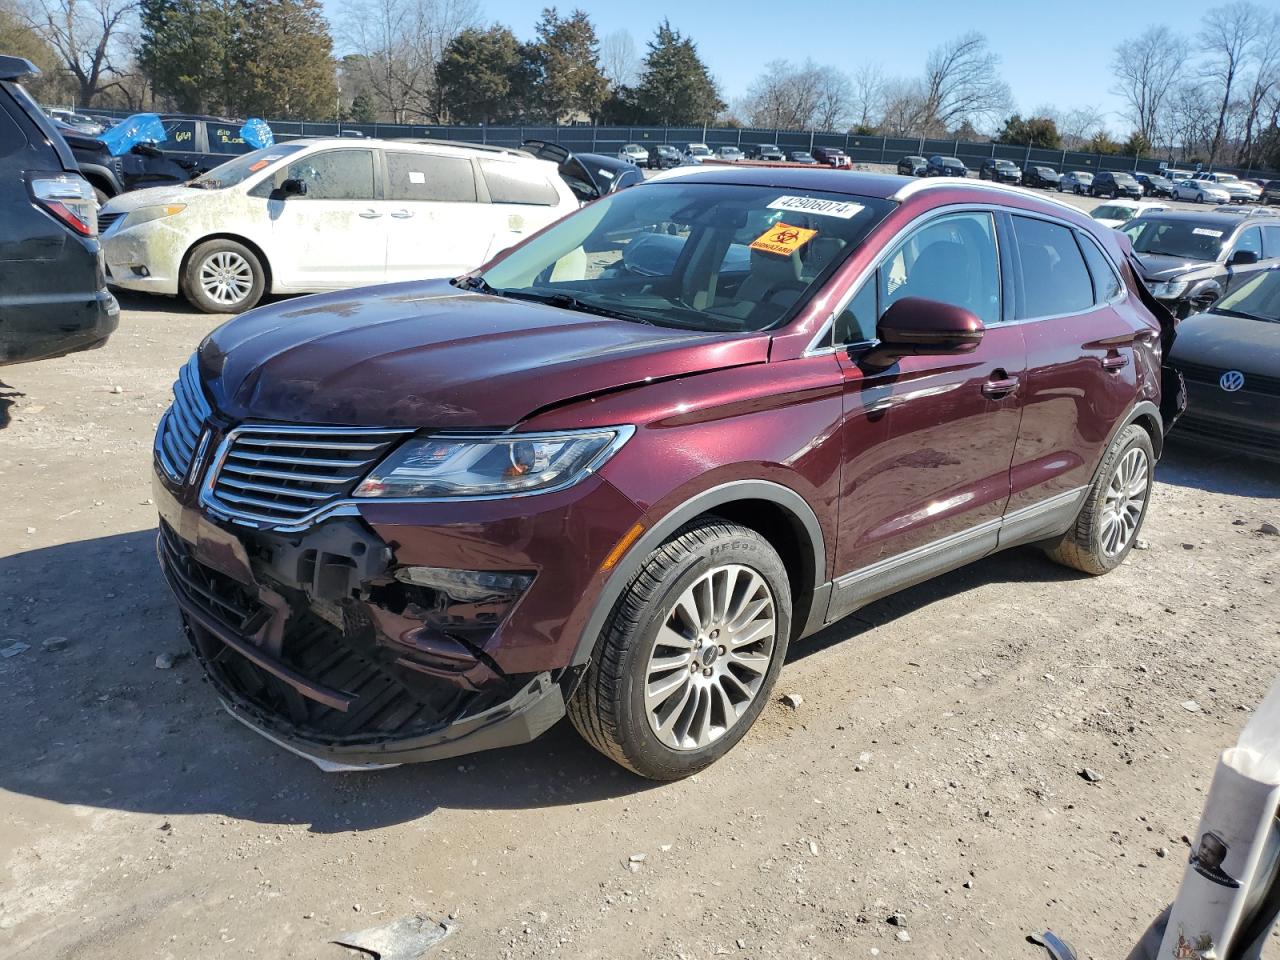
x=223, y=276
x=689, y=654
x=1113, y=510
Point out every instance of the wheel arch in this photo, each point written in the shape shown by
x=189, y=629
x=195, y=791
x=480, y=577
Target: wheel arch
x=234, y=238
x=778, y=513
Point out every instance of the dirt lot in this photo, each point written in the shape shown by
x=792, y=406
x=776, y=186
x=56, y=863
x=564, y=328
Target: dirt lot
x=930, y=771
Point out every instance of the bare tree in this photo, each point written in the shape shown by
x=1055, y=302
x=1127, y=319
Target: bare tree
x=835, y=100
x=1193, y=119
x=1227, y=39
x=401, y=43
x=1146, y=68
x=88, y=38
x=866, y=101
x=962, y=83
x=785, y=96
x=1265, y=82
x=1078, y=125
x=618, y=59
x=902, y=108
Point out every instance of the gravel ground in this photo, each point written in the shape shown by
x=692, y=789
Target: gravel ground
x=931, y=772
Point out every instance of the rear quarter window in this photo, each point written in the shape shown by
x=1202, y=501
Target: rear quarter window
x=12, y=139
x=509, y=182
x=1106, y=281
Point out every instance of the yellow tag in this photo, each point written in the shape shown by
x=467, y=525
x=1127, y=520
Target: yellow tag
x=783, y=239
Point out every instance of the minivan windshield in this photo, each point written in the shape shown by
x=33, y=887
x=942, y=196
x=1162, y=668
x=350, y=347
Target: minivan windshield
x=243, y=167
x=695, y=255
x=1188, y=239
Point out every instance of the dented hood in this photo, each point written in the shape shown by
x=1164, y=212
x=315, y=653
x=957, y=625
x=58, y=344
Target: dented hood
x=429, y=355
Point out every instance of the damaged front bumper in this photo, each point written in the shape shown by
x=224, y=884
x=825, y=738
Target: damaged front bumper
x=311, y=642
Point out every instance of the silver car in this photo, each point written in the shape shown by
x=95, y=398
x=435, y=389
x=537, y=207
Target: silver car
x=1077, y=181
x=1201, y=191
x=732, y=154
x=633, y=153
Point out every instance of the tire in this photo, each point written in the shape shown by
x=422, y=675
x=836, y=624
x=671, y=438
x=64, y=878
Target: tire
x=609, y=707
x=1111, y=517
x=222, y=276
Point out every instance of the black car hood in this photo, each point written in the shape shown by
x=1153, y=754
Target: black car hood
x=1229, y=343
x=1157, y=267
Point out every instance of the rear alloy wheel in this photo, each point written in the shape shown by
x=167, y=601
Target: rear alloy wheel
x=223, y=276
x=1114, y=508
x=690, y=653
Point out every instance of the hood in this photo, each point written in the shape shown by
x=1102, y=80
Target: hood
x=426, y=354
x=1229, y=343
x=1158, y=267
x=153, y=197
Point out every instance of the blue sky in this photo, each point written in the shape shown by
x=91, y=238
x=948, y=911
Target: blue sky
x=1044, y=58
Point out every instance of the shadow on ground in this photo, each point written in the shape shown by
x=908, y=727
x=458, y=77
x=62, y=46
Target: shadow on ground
x=8, y=397
x=95, y=723
x=1216, y=471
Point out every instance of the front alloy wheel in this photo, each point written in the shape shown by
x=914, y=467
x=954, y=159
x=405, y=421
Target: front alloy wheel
x=690, y=652
x=223, y=276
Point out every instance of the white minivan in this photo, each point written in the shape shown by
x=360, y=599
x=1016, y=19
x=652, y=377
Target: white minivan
x=325, y=214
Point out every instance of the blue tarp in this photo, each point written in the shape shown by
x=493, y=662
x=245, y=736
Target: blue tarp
x=129, y=132
x=256, y=133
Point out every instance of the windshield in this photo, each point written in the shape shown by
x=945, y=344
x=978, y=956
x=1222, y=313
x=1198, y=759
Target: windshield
x=243, y=167
x=1188, y=239
x=1112, y=211
x=1005, y=165
x=689, y=254
x=1259, y=298
x=699, y=149
x=1226, y=178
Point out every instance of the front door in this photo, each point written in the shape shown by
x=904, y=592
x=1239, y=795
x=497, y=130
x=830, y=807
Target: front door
x=928, y=441
x=334, y=235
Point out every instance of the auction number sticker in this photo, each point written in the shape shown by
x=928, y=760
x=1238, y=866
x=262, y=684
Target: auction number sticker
x=1206, y=232
x=783, y=239
x=823, y=208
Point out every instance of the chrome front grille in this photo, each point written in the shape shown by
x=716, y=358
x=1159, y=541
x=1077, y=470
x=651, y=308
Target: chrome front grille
x=179, y=429
x=281, y=475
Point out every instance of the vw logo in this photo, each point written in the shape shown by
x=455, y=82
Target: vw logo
x=1231, y=381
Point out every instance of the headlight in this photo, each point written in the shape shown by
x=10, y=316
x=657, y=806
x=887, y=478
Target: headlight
x=508, y=464
x=1170, y=289
x=147, y=214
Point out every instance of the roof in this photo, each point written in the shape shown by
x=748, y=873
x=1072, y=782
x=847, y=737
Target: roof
x=793, y=178
x=17, y=68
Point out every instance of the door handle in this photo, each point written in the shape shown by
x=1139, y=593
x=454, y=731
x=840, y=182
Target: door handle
x=403, y=214
x=1116, y=361
x=1000, y=386
x=370, y=214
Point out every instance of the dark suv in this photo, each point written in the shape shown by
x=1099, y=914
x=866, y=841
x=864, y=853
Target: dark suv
x=913, y=166
x=1005, y=171
x=1190, y=260
x=833, y=157
x=945, y=167
x=662, y=156
x=765, y=398
x=764, y=151
x=53, y=290
x=1038, y=175
x=1112, y=185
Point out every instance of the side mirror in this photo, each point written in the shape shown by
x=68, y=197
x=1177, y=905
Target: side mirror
x=1242, y=258
x=294, y=188
x=916, y=327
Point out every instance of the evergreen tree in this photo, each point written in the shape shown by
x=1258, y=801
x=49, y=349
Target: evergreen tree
x=564, y=64
x=1031, y=132
x=189, y=50
x=363, y=109
x=479, y=75
x=675, y=88
x=286, y=57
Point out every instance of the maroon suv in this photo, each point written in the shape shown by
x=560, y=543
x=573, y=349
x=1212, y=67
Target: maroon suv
x=616, y=471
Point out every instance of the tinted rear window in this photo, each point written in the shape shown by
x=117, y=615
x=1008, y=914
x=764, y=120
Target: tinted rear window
x=226, y=138
x=1054, y=277
x=1106, y=281
x=421, y=176
x=517, y=183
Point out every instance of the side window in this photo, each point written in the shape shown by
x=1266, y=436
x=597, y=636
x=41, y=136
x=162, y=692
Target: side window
x=225, y=138
x=1251, y=239
x=510, y=182
x=179, y=135
x=857, y=322
x=1054, y=278
x=1270, y=240
x=333, y=175
x=424, y=176
x=1106, y=282
x=952, y=259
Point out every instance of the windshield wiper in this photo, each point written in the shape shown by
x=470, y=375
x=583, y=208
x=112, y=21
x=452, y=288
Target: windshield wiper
x=569, y=302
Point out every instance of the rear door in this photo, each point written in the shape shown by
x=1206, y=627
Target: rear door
x=522, y=199
x=928, y=441
x=1081, y=374
x=334, y=235
x=436, y=225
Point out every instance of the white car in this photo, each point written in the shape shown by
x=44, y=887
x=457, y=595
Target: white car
x=696, y=153
x=634, y=153
x=1239, y=190
x=324, y=214
x=1116, y=213
x=1201, y=191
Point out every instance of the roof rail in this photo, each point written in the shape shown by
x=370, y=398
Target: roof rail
x=467, y=145
x=934, y=183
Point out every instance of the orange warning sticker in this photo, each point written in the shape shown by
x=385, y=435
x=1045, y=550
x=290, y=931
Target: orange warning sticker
x=782, y=239
x=258, y=165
